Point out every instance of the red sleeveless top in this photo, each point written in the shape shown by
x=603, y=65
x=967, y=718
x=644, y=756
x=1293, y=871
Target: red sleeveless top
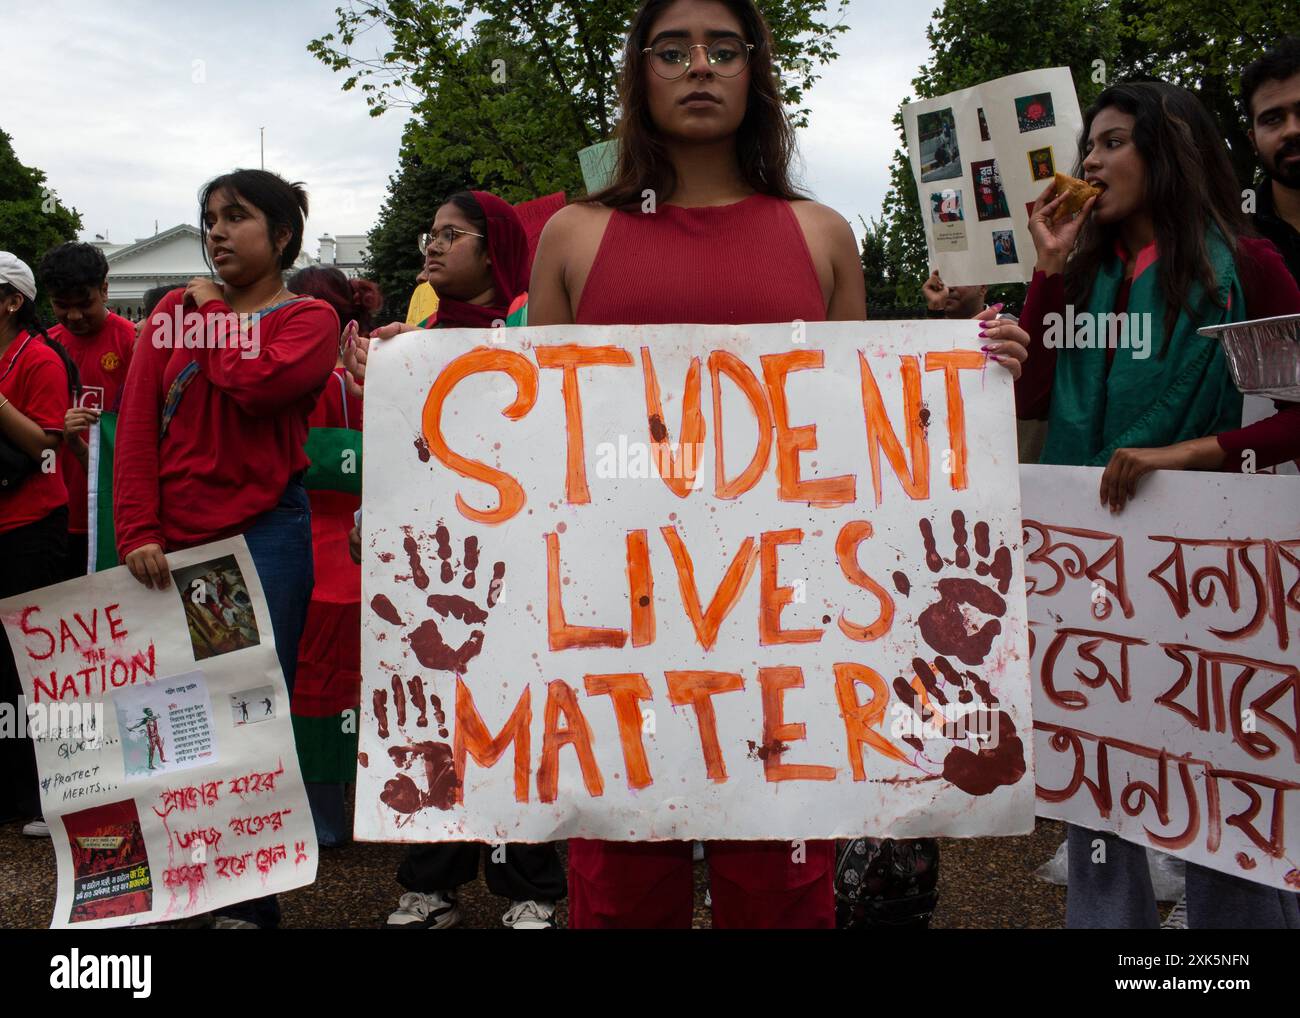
x=741, y=264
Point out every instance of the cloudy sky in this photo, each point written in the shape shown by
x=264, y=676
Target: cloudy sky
x=130, y=107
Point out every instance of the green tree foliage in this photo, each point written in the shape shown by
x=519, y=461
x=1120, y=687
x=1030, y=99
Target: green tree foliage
x=393, y=259
x=1203, y=45
x=32, y=219
x=510, y=90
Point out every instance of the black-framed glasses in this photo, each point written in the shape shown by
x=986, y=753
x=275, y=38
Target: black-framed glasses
x=671, y=59
x=441, y=240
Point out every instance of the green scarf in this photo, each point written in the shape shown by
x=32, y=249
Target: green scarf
x=1180, y=390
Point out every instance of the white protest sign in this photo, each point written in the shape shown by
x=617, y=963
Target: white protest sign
x=665, y=582
x=163, y=741
x=980, y=156
x=1166, y=641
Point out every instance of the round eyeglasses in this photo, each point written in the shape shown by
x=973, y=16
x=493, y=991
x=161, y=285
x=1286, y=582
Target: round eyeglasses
x=671, y=59
x=443, y=239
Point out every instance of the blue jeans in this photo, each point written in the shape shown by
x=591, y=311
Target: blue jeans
x=1117, y=895
x=280, y=543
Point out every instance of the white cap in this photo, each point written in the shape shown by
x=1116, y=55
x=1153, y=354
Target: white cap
x=15, y=272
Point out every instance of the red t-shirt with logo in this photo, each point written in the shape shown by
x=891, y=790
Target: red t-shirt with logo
x=33, y=378
x=102, y=359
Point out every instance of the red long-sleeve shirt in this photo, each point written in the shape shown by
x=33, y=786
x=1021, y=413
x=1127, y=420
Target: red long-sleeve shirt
x=237, y=435
x=1270, y=291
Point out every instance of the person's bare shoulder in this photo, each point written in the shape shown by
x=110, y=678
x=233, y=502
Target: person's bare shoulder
x=821, y=222
x=575, y=221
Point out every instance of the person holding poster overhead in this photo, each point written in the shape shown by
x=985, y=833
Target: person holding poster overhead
x=210, y=441
x=1166, y=244
x=701, y=224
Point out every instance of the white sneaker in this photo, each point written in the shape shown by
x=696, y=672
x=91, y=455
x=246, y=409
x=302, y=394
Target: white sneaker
x=530, y=915
x=1177, y=918
x=226, y=922
x=37, y=828
x=416, y=911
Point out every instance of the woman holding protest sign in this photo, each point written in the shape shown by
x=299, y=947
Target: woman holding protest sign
x=476, y=257
x=210, y=441
x=1166, y=243
x=702, y=193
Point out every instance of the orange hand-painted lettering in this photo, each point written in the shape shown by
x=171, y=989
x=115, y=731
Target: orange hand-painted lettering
x=733, y=584
x=570, y=357
x=721, y=363
x=772, y=597
x=861, y=718
x=950, y=362
x=559, y=634
x=510, y=493
x=473, y=738
x=790, y=442
x=676, y=469
x=779, y=733
x=576, y=733
x=625, y=691
x=851, y=535
x=696, y=690
x=881, y=434
x=640, y=588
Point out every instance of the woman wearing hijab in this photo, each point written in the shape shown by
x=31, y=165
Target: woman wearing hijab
x=476, y=258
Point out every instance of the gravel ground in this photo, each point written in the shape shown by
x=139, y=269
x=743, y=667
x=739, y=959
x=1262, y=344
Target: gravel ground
x=984, y=883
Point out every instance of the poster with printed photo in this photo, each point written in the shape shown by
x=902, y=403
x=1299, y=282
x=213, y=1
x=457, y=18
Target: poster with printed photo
x=217, y=608
x=940, y=154
x=990, y=200
x=1004, y=247
x=1035, y=112
x=1011, y=135
x=1041, y=164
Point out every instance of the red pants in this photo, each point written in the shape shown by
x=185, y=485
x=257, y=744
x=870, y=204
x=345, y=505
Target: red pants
x=648, y=884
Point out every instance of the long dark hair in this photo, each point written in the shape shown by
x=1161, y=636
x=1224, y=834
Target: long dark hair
x=282, y=203
x=764, y=142
x=351, y=299
x=1190, y=187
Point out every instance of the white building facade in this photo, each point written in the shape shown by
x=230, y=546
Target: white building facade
x=175, y=256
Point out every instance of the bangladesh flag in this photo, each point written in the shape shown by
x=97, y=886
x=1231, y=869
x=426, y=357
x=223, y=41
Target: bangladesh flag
x=328, y=683
x=101, y=539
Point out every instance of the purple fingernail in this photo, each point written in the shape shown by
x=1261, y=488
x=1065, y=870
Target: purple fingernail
x=988, y=349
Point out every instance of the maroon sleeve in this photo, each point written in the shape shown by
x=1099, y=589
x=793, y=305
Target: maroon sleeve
x=1268, y=285
x=1270, y=292
x=1273, y=440
x=135, y=453
x=293, y=354
x=1034, y=389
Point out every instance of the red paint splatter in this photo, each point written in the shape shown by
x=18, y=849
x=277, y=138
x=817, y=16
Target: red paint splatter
x=385, y=609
